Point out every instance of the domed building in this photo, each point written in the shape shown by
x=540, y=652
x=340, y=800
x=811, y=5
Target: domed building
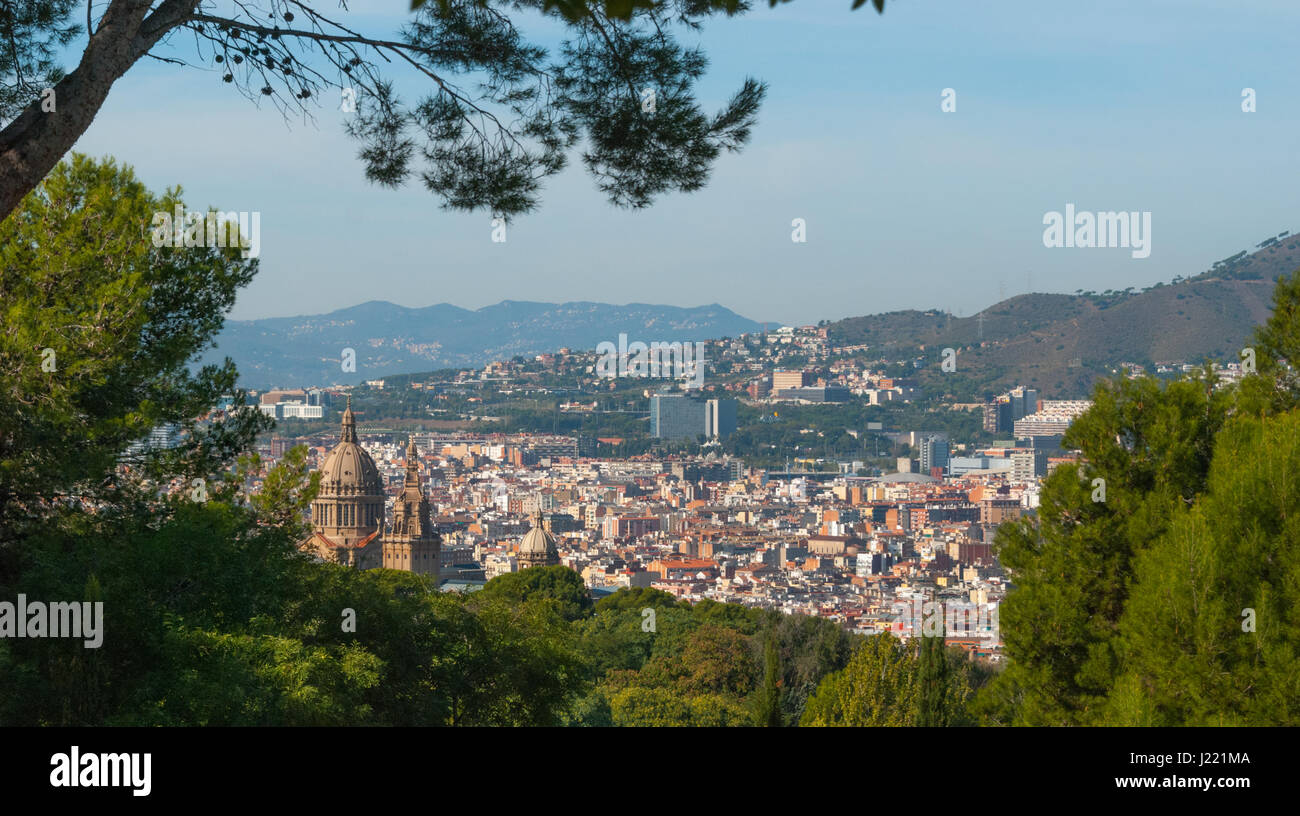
x=538, y=547
x=348, y=513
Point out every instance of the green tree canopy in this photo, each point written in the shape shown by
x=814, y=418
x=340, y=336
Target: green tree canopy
x=878, y=687
x=1148, y=447
x=557, y=585
x=1156, y=585
x=1211, y=632
x=100, y=327
x=495, y=115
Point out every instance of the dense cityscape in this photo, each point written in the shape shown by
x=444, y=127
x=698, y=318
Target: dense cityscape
x=874, y=548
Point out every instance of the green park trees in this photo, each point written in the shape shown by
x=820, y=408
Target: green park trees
x=888, y=682
x=211, y=614
x=1157, y=584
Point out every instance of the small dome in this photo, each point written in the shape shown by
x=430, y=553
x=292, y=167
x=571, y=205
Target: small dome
x=538, y=547
x=537, y=540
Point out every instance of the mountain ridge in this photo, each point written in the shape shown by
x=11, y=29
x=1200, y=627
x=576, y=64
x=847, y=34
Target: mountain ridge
x=1063, y=343
x=390, y=339
x=1059, y=342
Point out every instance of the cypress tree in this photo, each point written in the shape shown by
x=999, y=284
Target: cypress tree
x=933, y=675
x=769, y=702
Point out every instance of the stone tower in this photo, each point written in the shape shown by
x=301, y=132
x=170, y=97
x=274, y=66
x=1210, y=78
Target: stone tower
x=412, y=544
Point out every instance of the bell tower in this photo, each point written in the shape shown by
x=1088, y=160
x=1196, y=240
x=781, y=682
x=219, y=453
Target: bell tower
x=411, y=544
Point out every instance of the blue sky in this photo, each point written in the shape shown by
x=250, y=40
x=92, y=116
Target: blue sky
x=1108, y=105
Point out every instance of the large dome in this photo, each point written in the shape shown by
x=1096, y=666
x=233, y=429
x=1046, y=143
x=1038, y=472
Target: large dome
x=348, y=470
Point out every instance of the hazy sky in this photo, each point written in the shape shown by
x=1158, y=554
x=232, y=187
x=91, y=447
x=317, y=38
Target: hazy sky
x=1107, y=105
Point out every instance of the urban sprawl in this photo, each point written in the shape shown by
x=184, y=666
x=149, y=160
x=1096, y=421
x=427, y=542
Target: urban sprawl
x=876, y=549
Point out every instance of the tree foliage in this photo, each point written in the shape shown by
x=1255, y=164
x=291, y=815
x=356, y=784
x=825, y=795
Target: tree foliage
x=559, y=586
x=1135, y=605
x=1211, y=631
x=768, y=711
x=493, y=116
x=100, y=327
x=934, y=706
x=878, y=687
x=1072, y=564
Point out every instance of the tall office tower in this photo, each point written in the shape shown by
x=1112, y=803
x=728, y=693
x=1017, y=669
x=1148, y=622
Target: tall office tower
x=1032, y=398
x=934, y=452
x=719, y=418
x=998, y=414
x=1017, y=404
x=676, y=416
x=1005, y=422
x=1024, y=401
